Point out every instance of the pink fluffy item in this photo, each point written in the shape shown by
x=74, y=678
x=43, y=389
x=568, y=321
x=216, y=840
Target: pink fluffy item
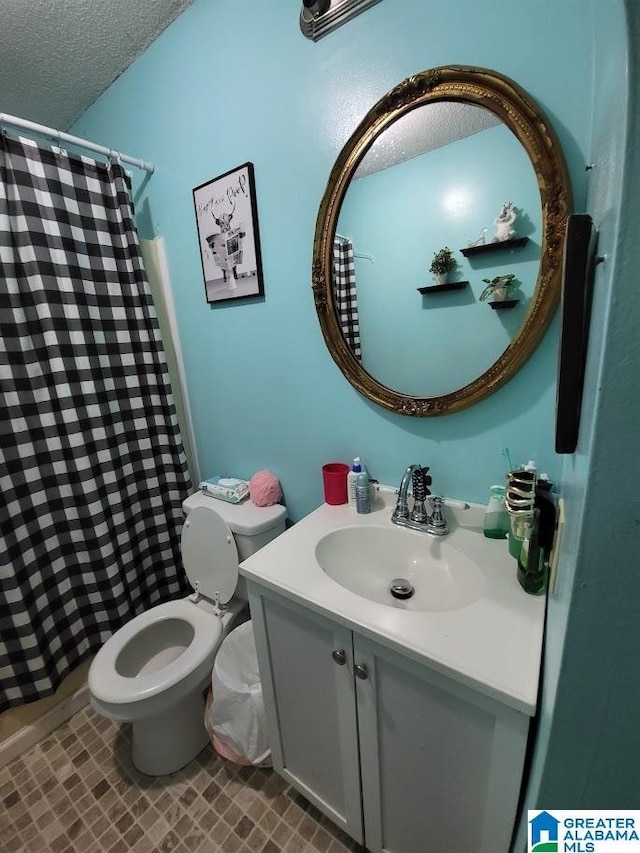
x=264, y=489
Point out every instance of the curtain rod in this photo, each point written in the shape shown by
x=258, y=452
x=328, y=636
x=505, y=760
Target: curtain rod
x=356, y=254
x=59, y=136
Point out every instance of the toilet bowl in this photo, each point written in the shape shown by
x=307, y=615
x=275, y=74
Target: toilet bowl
x=154, y=671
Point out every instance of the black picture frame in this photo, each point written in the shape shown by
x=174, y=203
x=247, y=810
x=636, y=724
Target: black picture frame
x=577, y=291
x=229, y=237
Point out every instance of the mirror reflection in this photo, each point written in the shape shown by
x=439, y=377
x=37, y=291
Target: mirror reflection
x=414, y=346
x=436, y=178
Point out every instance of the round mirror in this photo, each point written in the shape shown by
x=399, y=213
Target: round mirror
x=455, y=159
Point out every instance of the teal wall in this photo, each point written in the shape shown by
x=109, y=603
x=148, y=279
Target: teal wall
x=435, y=344
x=232, y=81
x=588, y=749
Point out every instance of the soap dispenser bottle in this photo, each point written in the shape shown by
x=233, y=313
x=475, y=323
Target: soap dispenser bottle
x=352, y=481
x=496, y=518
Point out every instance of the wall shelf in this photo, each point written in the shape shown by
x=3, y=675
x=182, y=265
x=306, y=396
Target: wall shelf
x=503, y=304
x=440, y=288
x=486, y=248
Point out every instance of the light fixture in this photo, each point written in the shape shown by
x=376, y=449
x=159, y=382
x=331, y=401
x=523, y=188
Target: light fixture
x=312, y=9
x=320, y=17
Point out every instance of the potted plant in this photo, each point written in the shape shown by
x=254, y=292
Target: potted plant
x=442, y=264
x=499, y=288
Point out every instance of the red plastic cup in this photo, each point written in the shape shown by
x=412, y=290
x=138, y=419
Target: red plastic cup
x=334, y=480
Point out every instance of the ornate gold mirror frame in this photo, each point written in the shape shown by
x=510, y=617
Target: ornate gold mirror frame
x=513, y=106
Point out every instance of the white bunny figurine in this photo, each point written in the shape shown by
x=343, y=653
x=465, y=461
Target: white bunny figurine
x=504, y=222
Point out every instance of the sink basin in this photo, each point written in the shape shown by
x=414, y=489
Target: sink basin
x=366, y=560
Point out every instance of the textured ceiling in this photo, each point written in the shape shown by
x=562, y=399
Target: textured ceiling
x=58, y=56
x=424, y=129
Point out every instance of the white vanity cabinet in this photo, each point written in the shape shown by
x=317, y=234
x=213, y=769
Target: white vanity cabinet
x=310, y=702
x=402, y=758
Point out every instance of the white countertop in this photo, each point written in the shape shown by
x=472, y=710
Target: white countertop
x=493, y=645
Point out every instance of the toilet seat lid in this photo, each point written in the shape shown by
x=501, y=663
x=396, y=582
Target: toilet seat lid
x=209, y=554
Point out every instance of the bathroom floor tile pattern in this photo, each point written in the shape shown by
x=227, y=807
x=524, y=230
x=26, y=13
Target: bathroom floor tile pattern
x=78, y=791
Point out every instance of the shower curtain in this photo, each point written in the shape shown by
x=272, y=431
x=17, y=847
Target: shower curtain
x=344, y=293
x=92, y=469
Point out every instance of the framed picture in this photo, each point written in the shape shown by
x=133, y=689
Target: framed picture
x=227, y=221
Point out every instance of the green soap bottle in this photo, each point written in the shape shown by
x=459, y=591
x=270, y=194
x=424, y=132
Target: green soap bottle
x=496, y=519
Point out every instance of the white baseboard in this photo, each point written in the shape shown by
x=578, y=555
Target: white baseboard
x=28, y=736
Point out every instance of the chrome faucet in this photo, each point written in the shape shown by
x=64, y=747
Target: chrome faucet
x=420, y=518
x=401, y=512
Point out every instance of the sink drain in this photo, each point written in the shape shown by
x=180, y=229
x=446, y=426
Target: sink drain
x=401, y=588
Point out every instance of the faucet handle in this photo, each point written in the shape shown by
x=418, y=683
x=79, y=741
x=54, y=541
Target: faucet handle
x=401, y=511
x=437, y=524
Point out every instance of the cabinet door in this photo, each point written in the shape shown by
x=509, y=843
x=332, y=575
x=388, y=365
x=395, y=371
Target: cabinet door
x=441, y=768
x=310, y=705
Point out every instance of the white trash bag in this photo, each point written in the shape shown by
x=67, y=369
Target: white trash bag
x=234, y=713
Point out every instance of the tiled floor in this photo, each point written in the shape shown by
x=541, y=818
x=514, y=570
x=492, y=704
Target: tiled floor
x=78, y=791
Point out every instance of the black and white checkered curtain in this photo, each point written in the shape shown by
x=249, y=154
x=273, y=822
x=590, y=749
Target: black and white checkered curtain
x=92, y=470
x=344, y=293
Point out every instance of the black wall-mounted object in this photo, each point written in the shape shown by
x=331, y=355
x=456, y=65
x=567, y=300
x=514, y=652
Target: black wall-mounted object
x=577, y=289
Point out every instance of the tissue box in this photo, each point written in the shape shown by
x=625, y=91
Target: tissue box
x=225, y=488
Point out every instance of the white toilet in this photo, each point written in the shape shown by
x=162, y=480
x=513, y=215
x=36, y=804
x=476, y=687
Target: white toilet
x=154, y=671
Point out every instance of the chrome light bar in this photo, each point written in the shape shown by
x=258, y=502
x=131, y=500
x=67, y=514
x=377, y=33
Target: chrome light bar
x=315, y=26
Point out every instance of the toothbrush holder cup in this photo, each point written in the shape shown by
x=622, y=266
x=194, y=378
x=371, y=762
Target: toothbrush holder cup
x=334, y=481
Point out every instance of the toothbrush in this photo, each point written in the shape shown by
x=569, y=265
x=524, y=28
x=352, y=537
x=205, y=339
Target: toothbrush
x=505, y=452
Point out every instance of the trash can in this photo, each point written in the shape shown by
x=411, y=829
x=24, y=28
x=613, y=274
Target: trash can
x=234, y=712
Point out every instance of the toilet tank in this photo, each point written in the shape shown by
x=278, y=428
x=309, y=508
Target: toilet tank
x=252, y=526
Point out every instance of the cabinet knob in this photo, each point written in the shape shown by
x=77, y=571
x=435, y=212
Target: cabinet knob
x=339, y=656
x=361, y=670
